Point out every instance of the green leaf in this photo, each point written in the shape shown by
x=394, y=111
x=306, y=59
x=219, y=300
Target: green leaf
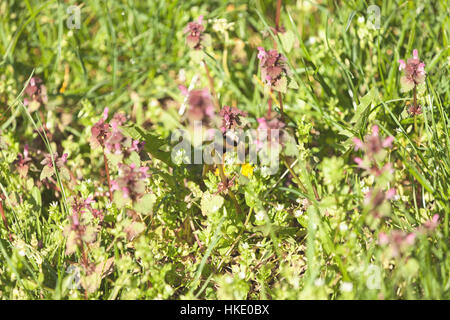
x=287, y=40
x=46, y=172
x=211, y=203
x=145, y=204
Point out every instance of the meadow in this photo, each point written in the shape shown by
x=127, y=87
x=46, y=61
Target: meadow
x=286, y=149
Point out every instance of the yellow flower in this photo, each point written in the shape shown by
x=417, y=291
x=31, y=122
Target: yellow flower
x=247, y=169
x=217, y=173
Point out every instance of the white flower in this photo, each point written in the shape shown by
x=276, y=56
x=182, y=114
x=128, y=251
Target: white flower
x=242, y=275
x=346, y=286
x=279, y=207
x=298, y=213
x=343, y=227
x=319, y=282
x=260, y=215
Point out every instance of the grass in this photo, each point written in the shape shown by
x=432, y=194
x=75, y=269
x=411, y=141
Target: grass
x=305, y=232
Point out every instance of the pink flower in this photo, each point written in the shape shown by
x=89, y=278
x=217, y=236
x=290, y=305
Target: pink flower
x=397, y=240
x=80, y=206
x=432, y=224
x=267, y=129
x=414, y=72
x=58, y=161
x=201, y=106
x=230, y=118
x=194, y=31
x=374, y=144
x=273, y=68
x=415, y=110
x=130, y=181
x=36, y=93
x=101, y=131
x=22, y=162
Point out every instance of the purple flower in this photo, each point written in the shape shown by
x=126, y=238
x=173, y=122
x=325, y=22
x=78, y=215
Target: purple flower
x=432, y=224
x=273, y=68
x=80, y=206
x=414, y=72
x=397, y=240
x=373, y=143
x=200, y=102
x=414, y=110
x=230, y=118
x=375, y=198
x=22, y=162
x=100, y=132
x=130, y=181
x=194, y=31
x=268, y=126
x=36, y=93
x=60, y=162
x=48, y=171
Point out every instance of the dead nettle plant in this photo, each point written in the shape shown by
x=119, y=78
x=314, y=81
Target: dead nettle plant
x=200, y=104
x=413, y=77
x=109, y=137
x=123, y=152
x=276, y=75
x=373, y=163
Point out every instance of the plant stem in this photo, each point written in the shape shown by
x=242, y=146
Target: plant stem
x=211, y=86
x=280, y=99
x=277, y=16
x=224, y=180
x=269, y=111
x=5, y=222
x=195, y=235
x=415, y=107
x=299, y=182
x=105, y=160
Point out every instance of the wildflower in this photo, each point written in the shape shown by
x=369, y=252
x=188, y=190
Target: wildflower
x=36, y=93
x=273, y=68
x=343, y=227
x=60, y=162
x=414, y=110
x=346, y=286
x=230, y=118
x=130, y=181
x=298, y=213
x=98, y=214
x=432, y=224
x=79, y=206
x=22, y=162
x=374, y=149
x=397, y=240
x=194, y=31
x=225, y=171
x=100, y=132
x=374, y=199
x=260, y=215
x=222, y=25
x=201, y=106
x=272, y=130
x=373, y=143
x=414, y=72
x=224, y=186
x=247, y=169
